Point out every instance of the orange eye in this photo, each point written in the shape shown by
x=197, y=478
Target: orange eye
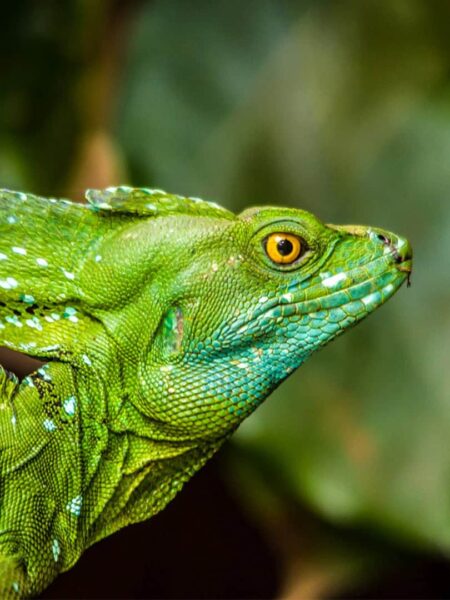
x=283, y=248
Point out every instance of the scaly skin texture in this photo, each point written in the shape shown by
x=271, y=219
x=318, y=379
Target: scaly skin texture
x=163, y=323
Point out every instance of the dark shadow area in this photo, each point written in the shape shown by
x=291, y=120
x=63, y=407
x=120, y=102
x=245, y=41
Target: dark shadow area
x=200, y=546
x=418, y=580
x=18, y=363
x=204, y=546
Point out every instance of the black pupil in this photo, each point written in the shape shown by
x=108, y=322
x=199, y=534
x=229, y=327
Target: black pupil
x=285, y=247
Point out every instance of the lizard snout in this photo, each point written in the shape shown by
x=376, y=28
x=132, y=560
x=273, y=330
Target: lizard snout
x=400, y=248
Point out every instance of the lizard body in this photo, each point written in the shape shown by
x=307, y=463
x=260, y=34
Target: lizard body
x=163, y=322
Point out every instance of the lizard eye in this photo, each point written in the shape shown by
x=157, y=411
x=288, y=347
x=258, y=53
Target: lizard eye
x=283, y=248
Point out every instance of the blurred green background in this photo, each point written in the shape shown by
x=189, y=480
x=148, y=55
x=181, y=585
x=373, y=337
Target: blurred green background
x=342, y=108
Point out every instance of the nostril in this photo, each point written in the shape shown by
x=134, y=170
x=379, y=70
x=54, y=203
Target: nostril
x=383, y=238
x=389, y=242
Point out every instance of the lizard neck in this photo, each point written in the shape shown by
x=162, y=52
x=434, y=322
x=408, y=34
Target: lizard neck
x=132, y=465
x=103, y=465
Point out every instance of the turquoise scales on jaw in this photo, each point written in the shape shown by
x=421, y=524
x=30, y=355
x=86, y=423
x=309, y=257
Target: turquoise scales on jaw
x=314, y=319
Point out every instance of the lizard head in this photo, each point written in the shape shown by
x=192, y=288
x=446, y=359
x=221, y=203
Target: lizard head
x=184, y=311
x=251, y=300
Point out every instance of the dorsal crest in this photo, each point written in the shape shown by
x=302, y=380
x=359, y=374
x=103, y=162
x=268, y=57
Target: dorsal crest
x=146, y=202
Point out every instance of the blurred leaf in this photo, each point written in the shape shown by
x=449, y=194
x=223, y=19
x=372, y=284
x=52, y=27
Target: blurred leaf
x=343, y=109
x=45, y=50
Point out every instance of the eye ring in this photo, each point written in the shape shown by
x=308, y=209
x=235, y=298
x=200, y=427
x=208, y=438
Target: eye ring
x=283, y=248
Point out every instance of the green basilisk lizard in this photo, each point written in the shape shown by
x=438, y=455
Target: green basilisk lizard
x=163, y=322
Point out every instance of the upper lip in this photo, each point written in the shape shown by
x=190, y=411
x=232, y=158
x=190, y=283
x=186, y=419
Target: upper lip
x=404, y=265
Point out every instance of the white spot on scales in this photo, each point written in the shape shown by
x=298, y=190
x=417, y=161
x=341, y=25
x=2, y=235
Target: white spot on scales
x=14, y=321
x=34, y=323
x=287, y=297
x=74, y=505
x=49, y=425
x=8, y=283
x=56, y=550
x=86, y=360
x=69, y=405
x=371, y=298
x=334, y=280
x=68, y=274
